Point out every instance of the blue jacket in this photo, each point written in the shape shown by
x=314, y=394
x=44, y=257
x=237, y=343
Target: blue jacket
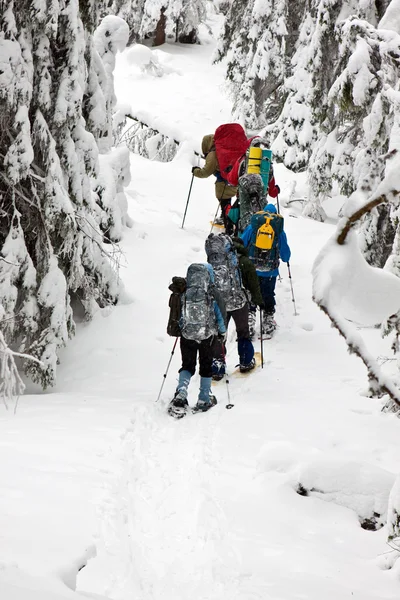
x=284, y=250
x=217, y=311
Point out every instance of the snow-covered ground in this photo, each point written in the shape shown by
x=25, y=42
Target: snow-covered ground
x=94, y=474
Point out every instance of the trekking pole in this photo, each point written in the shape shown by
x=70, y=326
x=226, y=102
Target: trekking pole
x=229, y=405
x=166, y=372
x=187, y=202
x=291, y=285
x=261, y=338
x=277, y=204
x=215, y=216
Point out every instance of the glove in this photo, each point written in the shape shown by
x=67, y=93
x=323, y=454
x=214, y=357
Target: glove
x=222, y=337
x=193, y=169
x=277, y=189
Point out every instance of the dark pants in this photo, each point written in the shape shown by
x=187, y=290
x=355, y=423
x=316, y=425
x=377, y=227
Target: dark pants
x=245, y=347
x=267, y=287
x=189, y=350
x=229, y=226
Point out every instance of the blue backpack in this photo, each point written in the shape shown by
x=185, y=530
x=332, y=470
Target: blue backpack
x=264, y=243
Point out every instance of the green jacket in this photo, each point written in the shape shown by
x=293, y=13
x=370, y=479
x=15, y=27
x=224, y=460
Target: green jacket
x=249, y=274
x=223, y=191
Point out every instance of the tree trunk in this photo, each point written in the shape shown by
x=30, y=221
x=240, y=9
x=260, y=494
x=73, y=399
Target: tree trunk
x=160, y=29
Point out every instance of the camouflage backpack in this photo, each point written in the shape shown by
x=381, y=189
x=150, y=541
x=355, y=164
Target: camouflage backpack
x=198, y=321
x=222, y=257
x=251, y=198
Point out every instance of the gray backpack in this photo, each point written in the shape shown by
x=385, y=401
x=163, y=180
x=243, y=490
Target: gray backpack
x=198, y=321
x=251, y=198
x=222, y=257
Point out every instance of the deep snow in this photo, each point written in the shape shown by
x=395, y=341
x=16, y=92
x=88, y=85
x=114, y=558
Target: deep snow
x=95, y=472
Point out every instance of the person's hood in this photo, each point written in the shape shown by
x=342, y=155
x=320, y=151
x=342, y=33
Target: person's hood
x=271, y=208
x=207, y=143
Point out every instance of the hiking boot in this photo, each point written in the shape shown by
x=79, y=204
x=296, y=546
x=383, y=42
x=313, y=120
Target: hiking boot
x=218, y=369
x=204, y=405
x=269, y=325
x=178, y=406
x=217, y=376
x=219, y=221
x=249, y=367
x=252, y=324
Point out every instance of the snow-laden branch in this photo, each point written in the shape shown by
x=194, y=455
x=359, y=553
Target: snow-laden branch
x=11, y=384
x=347, y=289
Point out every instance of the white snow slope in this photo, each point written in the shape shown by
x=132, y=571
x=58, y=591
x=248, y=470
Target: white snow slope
x=95, y=473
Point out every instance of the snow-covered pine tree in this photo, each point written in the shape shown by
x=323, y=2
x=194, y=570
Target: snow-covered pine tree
x=131, y=11
x=52, y=251
x=294, y=68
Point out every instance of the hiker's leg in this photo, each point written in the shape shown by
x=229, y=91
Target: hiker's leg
x=245, y=347
x=189, y=355
x=206, y=357
x=267, y=286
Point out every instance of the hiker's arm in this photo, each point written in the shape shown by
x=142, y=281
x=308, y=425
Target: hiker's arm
x=250, y=280
x=273, y=189
x=284, y=250
x=209, y=168
x=246, y=235
x=220, y=311
x=220, y=319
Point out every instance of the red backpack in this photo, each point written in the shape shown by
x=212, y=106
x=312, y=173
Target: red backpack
x=231, y=144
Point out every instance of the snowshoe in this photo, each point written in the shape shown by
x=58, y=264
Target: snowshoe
x=245, y=370
x=204, y=405
x=249, y=367
x=268, y=327
x=218, y=369
x=178, y=407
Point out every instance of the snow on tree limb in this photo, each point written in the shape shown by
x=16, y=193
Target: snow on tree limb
x=11, y=384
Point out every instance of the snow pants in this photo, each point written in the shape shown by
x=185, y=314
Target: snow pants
x=189, y=351
x=267, y=287
x=245, y=347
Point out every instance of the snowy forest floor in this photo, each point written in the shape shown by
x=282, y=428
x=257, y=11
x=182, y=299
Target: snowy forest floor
x=95, y=473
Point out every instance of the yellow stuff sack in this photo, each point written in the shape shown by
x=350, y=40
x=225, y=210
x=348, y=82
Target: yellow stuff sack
x=265, y=235
x=254, y=160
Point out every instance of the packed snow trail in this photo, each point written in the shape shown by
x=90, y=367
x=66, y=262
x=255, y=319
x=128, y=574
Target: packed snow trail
x=213, y=512
x=95, y=473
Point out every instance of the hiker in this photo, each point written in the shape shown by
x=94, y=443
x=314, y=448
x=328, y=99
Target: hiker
x=251, y=198
x=267, y=264
x=232, y=275
x=224, y=191
x=203, y=318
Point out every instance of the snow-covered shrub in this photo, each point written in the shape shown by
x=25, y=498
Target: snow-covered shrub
x=56, y=95
x=146, y=60
x=393, y=519
x=360, y=487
